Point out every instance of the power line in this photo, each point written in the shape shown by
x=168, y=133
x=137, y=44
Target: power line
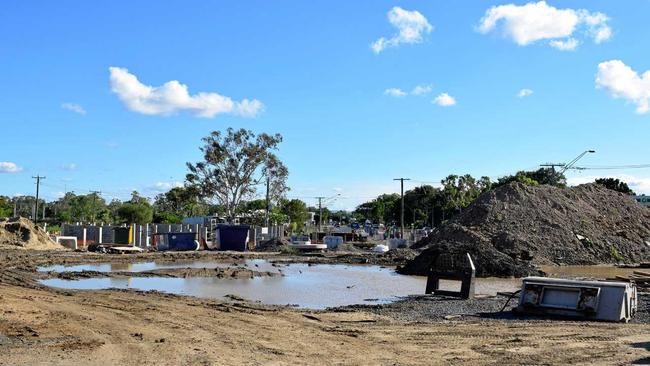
x=612, y=167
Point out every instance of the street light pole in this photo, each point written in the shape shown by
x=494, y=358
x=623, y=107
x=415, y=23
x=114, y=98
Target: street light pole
x=572, y=162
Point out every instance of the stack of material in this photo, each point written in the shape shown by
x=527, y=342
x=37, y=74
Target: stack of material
x=21, y=233
x=512, y=229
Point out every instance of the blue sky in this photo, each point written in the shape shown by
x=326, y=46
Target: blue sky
x=312, y=67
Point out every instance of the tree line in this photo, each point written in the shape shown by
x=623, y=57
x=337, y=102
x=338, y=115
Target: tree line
x=238, y=165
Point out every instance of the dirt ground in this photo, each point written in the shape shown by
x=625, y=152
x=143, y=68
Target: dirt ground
x=39, y=325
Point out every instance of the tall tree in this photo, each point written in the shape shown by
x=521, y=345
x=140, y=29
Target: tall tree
x=234, y=165
x=548, y=176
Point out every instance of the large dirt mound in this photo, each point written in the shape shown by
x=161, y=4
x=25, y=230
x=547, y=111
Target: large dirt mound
x=22, y=233
x=512, y=228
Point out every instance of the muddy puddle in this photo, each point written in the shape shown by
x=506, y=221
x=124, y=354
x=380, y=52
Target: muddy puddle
x=309, y=286
x=595, y=272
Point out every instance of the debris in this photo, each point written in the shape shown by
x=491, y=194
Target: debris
x=380, y=248
x=311, y=317
x=446, y=268
x=598, y=300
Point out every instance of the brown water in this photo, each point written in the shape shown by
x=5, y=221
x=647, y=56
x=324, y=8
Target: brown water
x=595, y=272
x=310, y=286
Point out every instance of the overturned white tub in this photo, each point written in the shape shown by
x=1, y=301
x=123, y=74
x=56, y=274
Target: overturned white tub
x=597, y=300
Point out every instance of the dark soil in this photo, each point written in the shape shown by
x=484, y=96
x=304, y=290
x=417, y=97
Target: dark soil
x=512, y=229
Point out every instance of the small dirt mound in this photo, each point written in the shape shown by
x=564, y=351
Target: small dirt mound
x=512, y=229
x=272, y=245
x=19, y=232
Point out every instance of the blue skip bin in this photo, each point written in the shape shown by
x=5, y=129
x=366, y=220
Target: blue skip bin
x=176, y=241
x=233, y=237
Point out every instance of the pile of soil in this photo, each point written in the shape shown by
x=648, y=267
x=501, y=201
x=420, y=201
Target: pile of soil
x=272, y=245
x=20, y=232
x=513, y=228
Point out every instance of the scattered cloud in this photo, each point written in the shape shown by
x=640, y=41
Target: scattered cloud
x=69, y=167
x=444, y=100
x=523, y=93
x=74, y=107
x=399, y=93
x=621, y=81
x=395, y=92
x=9, y=167
x=532, y=22
x=161, y=187
x=640, y=185
x=570, y=44
x=411, y=26
x=421, y=90
x=173, y=97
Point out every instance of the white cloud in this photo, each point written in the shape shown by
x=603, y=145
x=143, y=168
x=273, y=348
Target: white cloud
x=74, y=107
x=173, y=97
x=532, y=22
x=69, y=167
x=640, y=185
x=9, y=167
x=570, y=44
x=395, y=92
x=523, y=93
x=444, y=100
x=411, y=26
x=620, y=81
x=161, y=187
x=421, y=89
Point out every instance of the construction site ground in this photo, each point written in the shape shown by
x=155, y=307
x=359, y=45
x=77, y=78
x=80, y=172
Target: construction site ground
x=41, y=325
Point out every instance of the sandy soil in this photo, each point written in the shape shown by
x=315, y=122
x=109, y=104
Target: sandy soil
x=39, y=325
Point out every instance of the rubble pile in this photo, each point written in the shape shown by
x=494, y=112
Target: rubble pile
x=513, y=228
x=19, y=232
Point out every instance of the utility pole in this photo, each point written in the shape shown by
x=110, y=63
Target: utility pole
x=401, y=234
x=268, y=201
x=38, y=185
x=320, y=212
x=95, y=193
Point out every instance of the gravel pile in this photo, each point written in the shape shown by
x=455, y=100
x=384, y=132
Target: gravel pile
x=512, y=229
x=428, y=308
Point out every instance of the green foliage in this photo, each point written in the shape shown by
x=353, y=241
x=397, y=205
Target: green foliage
x=426, y=205
x=182, y=202
x=6, y=207
x=296, y=210
x=615, y=185
x=547, y=176
x=136, y=211
x=615, y=254
x=234, y=164
x=165, y=217
x=53, y=229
